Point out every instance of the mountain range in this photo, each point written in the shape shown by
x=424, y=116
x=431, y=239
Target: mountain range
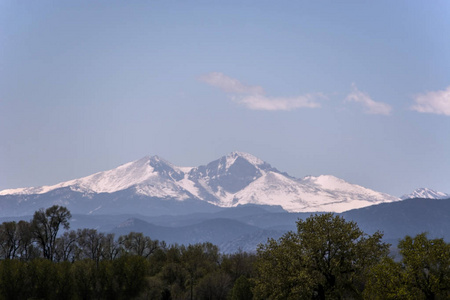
x=425, y=193
x=236, y=202
x=154, y=186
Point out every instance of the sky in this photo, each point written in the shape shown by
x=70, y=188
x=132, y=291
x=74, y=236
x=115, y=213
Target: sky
x=355, y=89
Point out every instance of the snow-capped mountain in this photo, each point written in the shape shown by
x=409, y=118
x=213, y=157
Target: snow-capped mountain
x=426, y=193
x=235, y=179
x=149, y=176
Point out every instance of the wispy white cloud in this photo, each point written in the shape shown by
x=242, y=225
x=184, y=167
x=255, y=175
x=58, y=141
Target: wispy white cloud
x=253, y=96
x=261, y=102
x=437, y=102
x=230, y=85
x=370, y=106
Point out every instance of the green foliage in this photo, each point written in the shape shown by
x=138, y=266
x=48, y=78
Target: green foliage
x=427, y=265
x=387, y=281
x=107, y=286
x=155, y=288
x=13, y=280
x=198, y=260
x=242, y=289
x=281, y=270
x=64, y=284
x=42, y=277
x=238, y=264
x=328, y=258
x=131, y=271
x=423, y=272
x=213, y=286
x=86, y=264
x=84, y=278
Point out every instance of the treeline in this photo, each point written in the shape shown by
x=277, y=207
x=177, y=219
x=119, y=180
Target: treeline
x=330, y=258
x=327, y=258
x=38, y=262
x=177, y=272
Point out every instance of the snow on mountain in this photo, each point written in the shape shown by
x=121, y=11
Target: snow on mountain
x=273, y=189
x=148, y=176
x=323, y=193
x=426, y=193
x=235, y=179
x=219, y=180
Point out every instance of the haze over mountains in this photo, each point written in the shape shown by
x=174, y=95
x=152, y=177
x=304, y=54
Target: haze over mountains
x=236, y=202
x=153, y=186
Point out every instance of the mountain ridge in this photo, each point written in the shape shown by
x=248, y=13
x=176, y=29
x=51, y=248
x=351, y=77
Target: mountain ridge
x=425, y=193
x=244, y=227
x=235, y=179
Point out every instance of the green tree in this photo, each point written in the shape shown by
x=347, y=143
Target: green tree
x=281, y=270
x=387, y=281
x=242, y=289
x=427, y=266
x=422, y=273
x=198, y=260
x=328, y=258
x=85, y=279
x=213, y=286
x=46, y=225
x=131, y=272
x=173, y=275
x=64, y=286
x=238, y=264
x=107, y=286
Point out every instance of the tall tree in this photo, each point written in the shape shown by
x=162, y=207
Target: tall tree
x=90, y=243
x=111, y=248
x=9, y=240
x=328, y=258
x=46, y=225
x=27, y=249
x=198, y=260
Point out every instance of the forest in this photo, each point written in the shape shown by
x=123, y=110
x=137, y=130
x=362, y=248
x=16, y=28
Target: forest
x=326, y=258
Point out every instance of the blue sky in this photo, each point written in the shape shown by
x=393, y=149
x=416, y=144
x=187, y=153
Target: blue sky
x=356, y=89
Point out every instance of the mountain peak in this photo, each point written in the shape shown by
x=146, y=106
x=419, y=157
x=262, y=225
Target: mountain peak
x=156, y=159
x=231, y=157
x=425, y=193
